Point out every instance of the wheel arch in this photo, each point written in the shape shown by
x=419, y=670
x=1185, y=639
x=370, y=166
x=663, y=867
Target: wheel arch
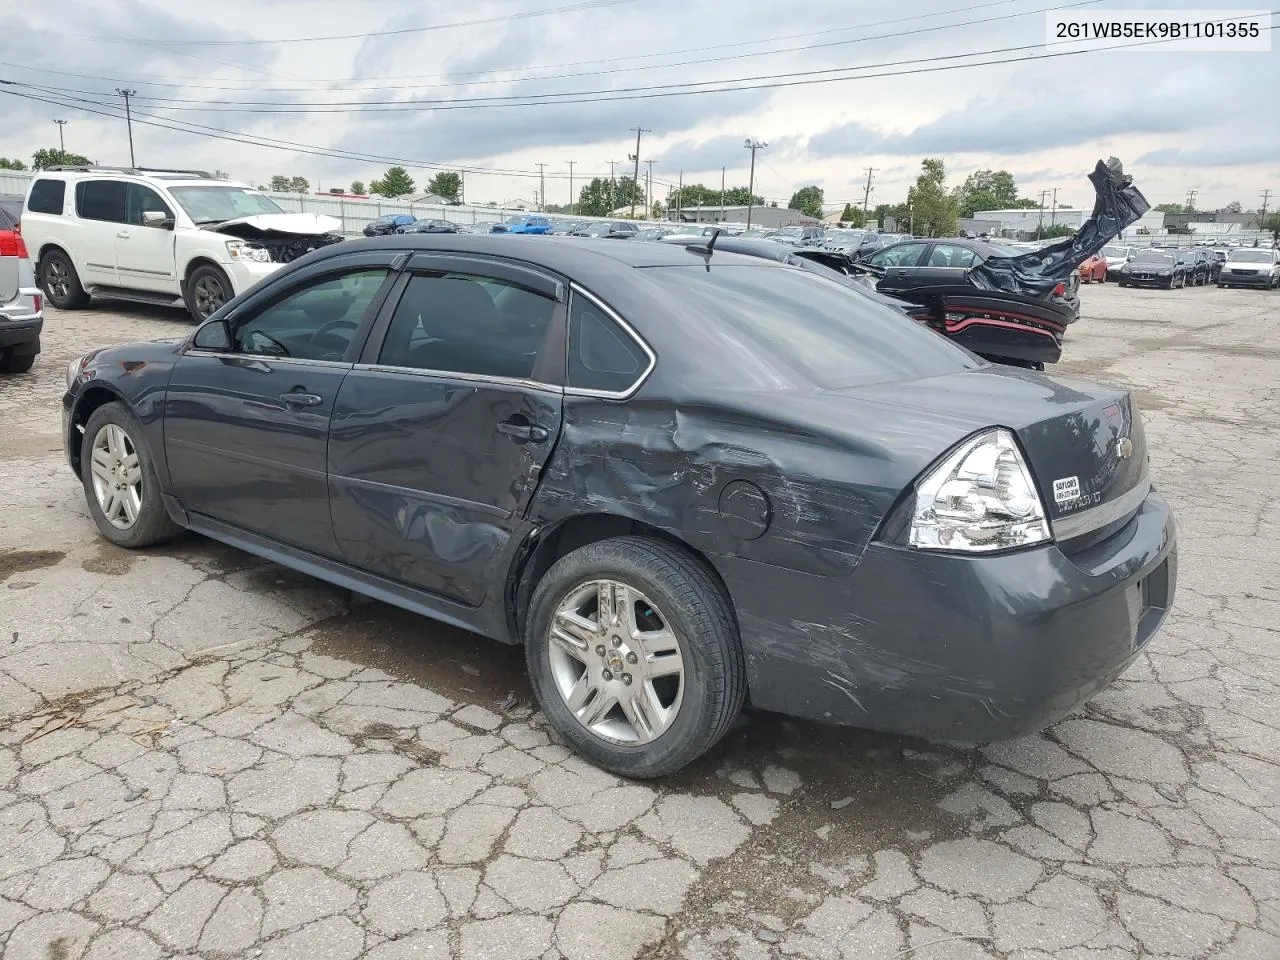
x=196, y=262
x=48, y=247
x=93, y=396
x=541, y=551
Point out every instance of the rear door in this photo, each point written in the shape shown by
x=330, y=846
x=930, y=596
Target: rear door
x=944, y=265
x=441, y=431
x=100, y=206
x=246, y=425
x=145, y=254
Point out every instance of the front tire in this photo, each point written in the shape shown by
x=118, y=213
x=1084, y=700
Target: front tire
x=60, y=281
x=634, y=655
x=206, y=291
x=119, y=479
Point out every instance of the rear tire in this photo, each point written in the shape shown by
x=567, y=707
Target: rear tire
x=11, y=362
x=136, y=517
x=60, y=282
x=667, y=595
x=206, y=290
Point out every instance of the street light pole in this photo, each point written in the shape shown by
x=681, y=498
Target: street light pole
x=635, y=176
x=753, y=146
x=570, y=162
x=62, y=146
x=128, y=118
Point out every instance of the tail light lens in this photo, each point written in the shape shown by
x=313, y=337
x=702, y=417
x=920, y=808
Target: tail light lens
x=12, y=245
x=38, y=300
x=1060, y=290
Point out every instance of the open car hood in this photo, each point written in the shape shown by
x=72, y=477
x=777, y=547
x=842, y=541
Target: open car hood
x=265, y=224
x=1118, y=204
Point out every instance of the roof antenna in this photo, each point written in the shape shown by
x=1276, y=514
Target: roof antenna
x=705, y=249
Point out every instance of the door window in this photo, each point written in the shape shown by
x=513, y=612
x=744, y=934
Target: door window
x=101, y=200
x=950, y=255
x=459, y=323
x=140, y=199
x=47, y=196
x=903, y=255
x=315, y=321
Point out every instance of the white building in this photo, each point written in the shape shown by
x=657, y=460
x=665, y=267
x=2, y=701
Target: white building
x=1015, y=222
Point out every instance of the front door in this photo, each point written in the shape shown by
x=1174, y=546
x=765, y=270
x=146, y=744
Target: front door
x=439, y=436
x=895, y=266
x=145, y=254
x=246, y=427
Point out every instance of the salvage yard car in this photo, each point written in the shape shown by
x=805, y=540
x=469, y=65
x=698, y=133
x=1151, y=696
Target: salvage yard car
x=845, y=517
x=21, y=302
x=170, y=237
x=1251, y=268
x=1094, y=269
x=1154, y=268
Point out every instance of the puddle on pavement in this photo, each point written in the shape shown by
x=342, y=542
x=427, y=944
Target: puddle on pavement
x=24, y=561
x=454, y=663
x=110, y=560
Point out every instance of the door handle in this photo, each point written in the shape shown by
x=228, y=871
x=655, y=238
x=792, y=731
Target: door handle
x=523, y=431
x=301, y=399
x=122, y=235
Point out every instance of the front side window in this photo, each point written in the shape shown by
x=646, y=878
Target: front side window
x=140, y=199
x=210, y=204
x=602, y=356
x=315, y=321
x=101, y=200
x=470, y=325
x=47, y=196
x=903, y=255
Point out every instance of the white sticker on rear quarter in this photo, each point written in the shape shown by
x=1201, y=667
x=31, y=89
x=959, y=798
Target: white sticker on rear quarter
x=1066, y=489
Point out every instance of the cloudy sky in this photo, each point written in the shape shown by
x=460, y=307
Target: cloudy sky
x=496, y=87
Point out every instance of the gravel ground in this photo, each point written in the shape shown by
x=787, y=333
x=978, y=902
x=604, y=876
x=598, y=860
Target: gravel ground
x=202, y=754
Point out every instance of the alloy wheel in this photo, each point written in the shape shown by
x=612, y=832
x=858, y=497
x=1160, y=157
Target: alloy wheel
x=57, y=281
x=616, y=662
x=117, y=476
x=210, y=295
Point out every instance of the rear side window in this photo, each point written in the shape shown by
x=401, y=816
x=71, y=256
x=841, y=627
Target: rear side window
x=832, y=335
x=47, y=196
x=101, y=200
x=602, y=356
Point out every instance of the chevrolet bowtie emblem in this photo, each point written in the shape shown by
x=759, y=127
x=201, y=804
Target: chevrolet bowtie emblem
x=1124, y=448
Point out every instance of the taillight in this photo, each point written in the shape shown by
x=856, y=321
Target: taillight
x=38, y=300
x=1060, y=290
x=11, y=244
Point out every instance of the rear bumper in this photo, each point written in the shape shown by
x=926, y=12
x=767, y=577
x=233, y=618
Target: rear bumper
x=957, y=648
x=1258, y=280
x=22, y=333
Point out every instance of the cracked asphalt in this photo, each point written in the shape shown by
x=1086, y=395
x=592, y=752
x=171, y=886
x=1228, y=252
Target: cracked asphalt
x=205, y=755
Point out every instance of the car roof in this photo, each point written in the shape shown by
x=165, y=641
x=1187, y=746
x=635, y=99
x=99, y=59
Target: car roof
x=563, y=255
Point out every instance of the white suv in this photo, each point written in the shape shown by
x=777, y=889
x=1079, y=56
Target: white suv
x=159, y=236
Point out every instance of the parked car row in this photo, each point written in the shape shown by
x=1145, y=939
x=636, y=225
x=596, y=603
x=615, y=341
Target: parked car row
x=1158, y=267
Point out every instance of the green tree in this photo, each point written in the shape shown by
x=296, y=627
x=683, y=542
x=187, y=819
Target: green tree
x=280, y=183
x=446, y=184
x=602, y=196
x=1171, y=208
x=853, y=216
x=396, y=182
x=808, y=200
x=357, y=186
x=299, y=184
x=1233, y=207
x=53, y=157
x=1272, y=223
x=934, y=209
x=986, y=190
x=11, y=164
x=1053, y=232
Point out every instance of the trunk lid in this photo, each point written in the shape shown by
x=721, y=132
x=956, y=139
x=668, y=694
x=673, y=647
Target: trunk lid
x=1083, y=441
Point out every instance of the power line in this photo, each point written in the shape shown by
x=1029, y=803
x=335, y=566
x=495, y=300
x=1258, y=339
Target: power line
x=614, y=70
x=255, y=42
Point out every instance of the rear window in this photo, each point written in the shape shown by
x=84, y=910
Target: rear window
x=834, y=336
x=101, y=200
x=47, y=196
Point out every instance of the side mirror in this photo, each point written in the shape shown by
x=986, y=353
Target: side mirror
x=157, y=218
x=214, y=335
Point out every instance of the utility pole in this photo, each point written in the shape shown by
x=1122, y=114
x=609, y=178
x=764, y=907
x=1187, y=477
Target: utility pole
x=128, y=118
x=462, y=186
x=1053, y=216
x=1043, y=194
x=611, y=163
x=866, y=195
x=62, y=146
x=542, y=186
x=648, y=190
x=1191, y=200
x=1262, y=220
x=570, y=162
x=722, y=213
x=753, y=146
x=635, y=176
